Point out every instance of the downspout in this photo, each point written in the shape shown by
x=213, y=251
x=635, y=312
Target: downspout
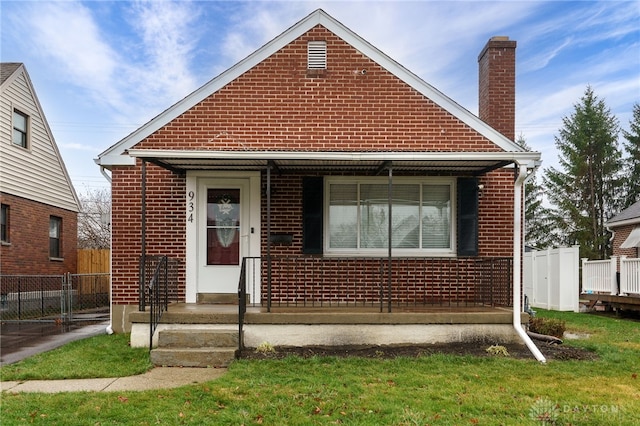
x=517, y=262
x=109, y=328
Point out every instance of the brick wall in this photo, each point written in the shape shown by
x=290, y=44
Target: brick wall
x=28, y=248
x=165, y=225
x=621, y=234
x=278, y=106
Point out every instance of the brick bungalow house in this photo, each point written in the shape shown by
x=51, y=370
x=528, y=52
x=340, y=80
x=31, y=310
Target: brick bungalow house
x=38, y=221
x=303, y=159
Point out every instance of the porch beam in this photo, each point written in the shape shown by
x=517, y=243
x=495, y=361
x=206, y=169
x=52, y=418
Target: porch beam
x=164, y=165
x=383, y=165
x=274, y=166
x=492, y=168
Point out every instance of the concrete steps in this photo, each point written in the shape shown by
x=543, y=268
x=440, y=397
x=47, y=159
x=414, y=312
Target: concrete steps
x=195, y=348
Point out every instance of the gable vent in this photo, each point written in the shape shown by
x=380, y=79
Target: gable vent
x=317, y=55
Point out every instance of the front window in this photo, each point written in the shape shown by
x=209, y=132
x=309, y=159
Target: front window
x=4, y=223
x=55, y=232
x=358, y=216
x=20, y=127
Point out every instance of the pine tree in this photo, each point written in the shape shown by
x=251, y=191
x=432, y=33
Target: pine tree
x=537, y=226
x=632, y=163
x=586, y=191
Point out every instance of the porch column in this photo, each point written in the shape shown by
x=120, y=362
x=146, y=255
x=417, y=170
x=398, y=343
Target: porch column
x=142, y=273
x=269, y=236
x=389, y=243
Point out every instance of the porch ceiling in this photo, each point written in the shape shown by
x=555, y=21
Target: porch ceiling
x=466, y=163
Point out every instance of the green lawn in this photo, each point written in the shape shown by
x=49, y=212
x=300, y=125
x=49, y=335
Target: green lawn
x=433, y=390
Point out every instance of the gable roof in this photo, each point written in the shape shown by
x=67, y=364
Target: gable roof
x=38, y=173
x=115, y=155
x=7, y=69
x=628, y=216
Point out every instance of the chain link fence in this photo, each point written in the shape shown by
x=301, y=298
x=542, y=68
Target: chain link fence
x=51, y=297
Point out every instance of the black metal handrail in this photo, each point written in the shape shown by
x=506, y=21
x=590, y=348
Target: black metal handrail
x=242, y=303
x=157, y=291
x=242, y=299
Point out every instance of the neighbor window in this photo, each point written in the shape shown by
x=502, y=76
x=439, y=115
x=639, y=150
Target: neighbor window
x=358, y=213
x=4, y=223
x=55, y=232
x=20, y=128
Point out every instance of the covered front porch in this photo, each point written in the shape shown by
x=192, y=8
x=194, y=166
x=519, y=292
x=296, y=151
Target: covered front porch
x=306, y=293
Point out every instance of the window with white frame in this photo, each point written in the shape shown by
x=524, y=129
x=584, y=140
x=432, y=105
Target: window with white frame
x=357, y=213
x=20, y=129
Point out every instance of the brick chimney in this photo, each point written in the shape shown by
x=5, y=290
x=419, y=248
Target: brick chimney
x=497, y=85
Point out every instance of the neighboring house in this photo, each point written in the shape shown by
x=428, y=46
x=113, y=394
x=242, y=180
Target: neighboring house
x=625, y=227
x=308, y=154
x=38, y=221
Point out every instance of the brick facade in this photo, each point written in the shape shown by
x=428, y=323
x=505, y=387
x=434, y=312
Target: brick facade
x=621, y=234
x=278, y=105
x=28, y=248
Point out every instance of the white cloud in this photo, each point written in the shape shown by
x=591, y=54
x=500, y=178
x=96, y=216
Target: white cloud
x=66, y=33
x=168, y=43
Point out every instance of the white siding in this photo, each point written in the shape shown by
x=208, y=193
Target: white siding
x=37, y=173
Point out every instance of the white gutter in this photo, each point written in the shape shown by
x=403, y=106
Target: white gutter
x=525, y=158
x=517, y=261
x=109, y=329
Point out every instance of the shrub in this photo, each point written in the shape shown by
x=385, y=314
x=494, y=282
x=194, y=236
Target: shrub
x=497, y=350
x=547, y=326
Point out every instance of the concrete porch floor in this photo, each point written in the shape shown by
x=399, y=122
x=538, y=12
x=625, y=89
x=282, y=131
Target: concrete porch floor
x=336, y=326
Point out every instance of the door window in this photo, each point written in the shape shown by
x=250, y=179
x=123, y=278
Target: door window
x=223, y=226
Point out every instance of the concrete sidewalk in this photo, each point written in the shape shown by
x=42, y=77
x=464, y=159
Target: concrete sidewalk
x=158, y=378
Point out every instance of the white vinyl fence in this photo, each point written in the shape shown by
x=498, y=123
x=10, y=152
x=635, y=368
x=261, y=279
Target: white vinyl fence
x=629, y=276
x=600, y=276
x=551, y=278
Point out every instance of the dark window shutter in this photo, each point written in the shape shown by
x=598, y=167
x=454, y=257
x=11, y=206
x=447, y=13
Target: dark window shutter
x=467, y=216
x=312, y=206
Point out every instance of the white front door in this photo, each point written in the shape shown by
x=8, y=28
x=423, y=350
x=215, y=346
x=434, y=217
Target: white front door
x=223, y=229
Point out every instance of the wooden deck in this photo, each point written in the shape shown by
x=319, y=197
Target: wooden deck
x=629, y=303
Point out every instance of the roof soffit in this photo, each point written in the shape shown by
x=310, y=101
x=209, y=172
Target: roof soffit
x=319, y=17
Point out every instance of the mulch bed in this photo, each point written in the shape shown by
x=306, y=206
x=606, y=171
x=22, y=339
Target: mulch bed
x=550, y=351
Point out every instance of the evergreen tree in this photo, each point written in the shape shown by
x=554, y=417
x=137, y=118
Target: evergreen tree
x=585, y=192
x=537, y=226
x=632, y=163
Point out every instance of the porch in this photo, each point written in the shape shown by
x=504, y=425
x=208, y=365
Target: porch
x=199, y=327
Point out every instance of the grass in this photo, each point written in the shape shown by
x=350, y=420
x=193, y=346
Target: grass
x=434, y=390
x=94, y=357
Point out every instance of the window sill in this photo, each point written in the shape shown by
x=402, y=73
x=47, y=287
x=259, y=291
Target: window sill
x=5, y=243
x=383, y=254
x=56, y=259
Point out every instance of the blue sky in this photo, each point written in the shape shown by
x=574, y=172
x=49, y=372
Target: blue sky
x=101, y=69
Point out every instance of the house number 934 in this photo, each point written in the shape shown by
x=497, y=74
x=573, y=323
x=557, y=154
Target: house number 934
x=190, y=197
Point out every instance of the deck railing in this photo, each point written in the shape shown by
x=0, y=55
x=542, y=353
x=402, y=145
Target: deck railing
x=601, y=276
x=629, y=276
